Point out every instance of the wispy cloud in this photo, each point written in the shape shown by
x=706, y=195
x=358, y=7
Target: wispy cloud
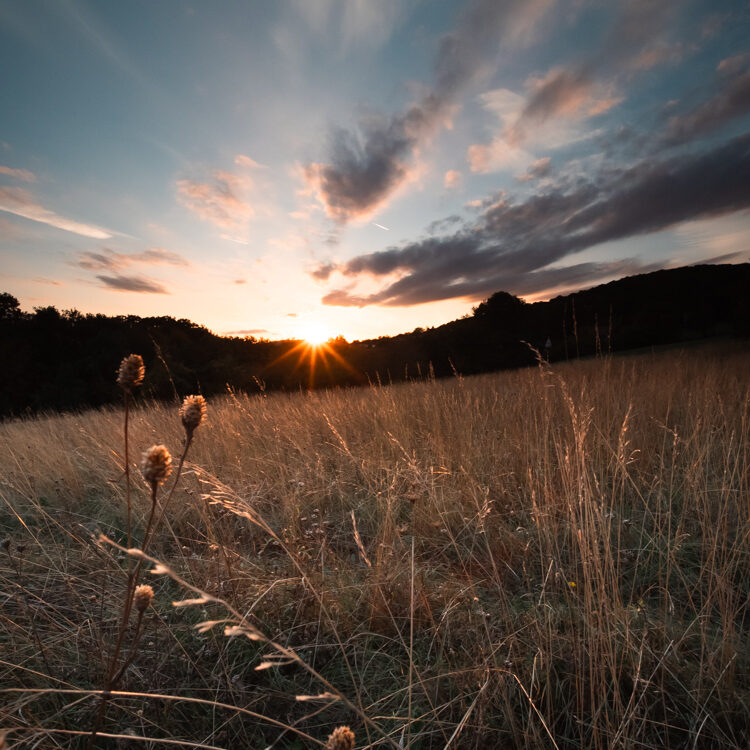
x=21, y=203
x=367, y=166
x=246, y=161
x=504, y=153
x=232, y=238
x=444, y=224
x=539, y=168
x=110, y=260
x=728, y=101
x=220, y=201
x=356, y=22
x=87, y=21
x=452, y=179
x=515, y=245
x=735, y=64
x=133, y=284
x=323, y=271
x=635, y=41
x=156, y=255
x=19, y=174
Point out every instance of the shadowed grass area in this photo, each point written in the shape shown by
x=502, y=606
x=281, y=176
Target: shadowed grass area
x=553, y=556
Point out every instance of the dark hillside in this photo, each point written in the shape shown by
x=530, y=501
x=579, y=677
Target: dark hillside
x=64, y=360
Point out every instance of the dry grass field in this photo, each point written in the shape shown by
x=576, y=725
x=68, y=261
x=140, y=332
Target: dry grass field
x=552, y=557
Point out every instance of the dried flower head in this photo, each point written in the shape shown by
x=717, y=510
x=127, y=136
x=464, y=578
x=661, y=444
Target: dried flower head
x=131, y=372
x=342, y=738
x=192, y=413
x=156, y=465
x=142, y=597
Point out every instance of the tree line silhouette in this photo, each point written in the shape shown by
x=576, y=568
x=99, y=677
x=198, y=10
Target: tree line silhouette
x=63, y=360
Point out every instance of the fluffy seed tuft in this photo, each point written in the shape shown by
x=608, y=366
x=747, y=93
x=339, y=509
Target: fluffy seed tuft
x=192, y=413
x=131, y=372
x=156, y=465
x=342, y=738
x=142, y=597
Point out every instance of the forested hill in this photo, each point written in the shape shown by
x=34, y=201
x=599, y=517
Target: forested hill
x=62, y=360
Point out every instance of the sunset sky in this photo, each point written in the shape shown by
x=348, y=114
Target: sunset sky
x=366, y=166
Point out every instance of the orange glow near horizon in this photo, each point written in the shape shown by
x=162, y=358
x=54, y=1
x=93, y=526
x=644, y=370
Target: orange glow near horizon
x=315, y=334
x=316, y=350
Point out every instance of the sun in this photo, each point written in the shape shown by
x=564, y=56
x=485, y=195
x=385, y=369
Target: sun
x=314, y=333
x=317, y=349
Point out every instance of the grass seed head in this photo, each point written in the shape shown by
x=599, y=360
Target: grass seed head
x=131, y=372
x=342, y=738
x=192, y=413
x=156, y=465
x=142, y=597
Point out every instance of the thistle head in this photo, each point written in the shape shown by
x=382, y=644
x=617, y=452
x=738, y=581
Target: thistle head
x=156, y=465
x=192, y=413
x=142, y=597
x=342, y=738
x=131, y=372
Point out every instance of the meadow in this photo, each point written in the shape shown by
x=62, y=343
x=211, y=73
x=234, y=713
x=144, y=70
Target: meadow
x=550, y=557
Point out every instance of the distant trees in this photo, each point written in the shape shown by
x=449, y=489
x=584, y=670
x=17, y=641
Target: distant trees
x=501, y=306
x=10, y=308
x=63, y=360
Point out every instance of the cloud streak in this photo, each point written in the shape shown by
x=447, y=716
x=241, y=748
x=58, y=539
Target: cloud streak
x=515, y=245
x=354, y=22
x=367, y=166
x=110, y=263
x=21, y=203
x=19, y=174
x=110, y=260
x=132, y=284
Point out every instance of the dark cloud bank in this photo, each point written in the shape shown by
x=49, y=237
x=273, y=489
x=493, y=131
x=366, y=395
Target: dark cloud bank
x=512, y=245
x=367, y=165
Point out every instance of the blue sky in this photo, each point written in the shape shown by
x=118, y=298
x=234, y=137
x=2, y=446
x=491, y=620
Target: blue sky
x=363, y=167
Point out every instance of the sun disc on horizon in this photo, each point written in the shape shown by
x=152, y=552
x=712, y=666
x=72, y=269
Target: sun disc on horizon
x=315, y=333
